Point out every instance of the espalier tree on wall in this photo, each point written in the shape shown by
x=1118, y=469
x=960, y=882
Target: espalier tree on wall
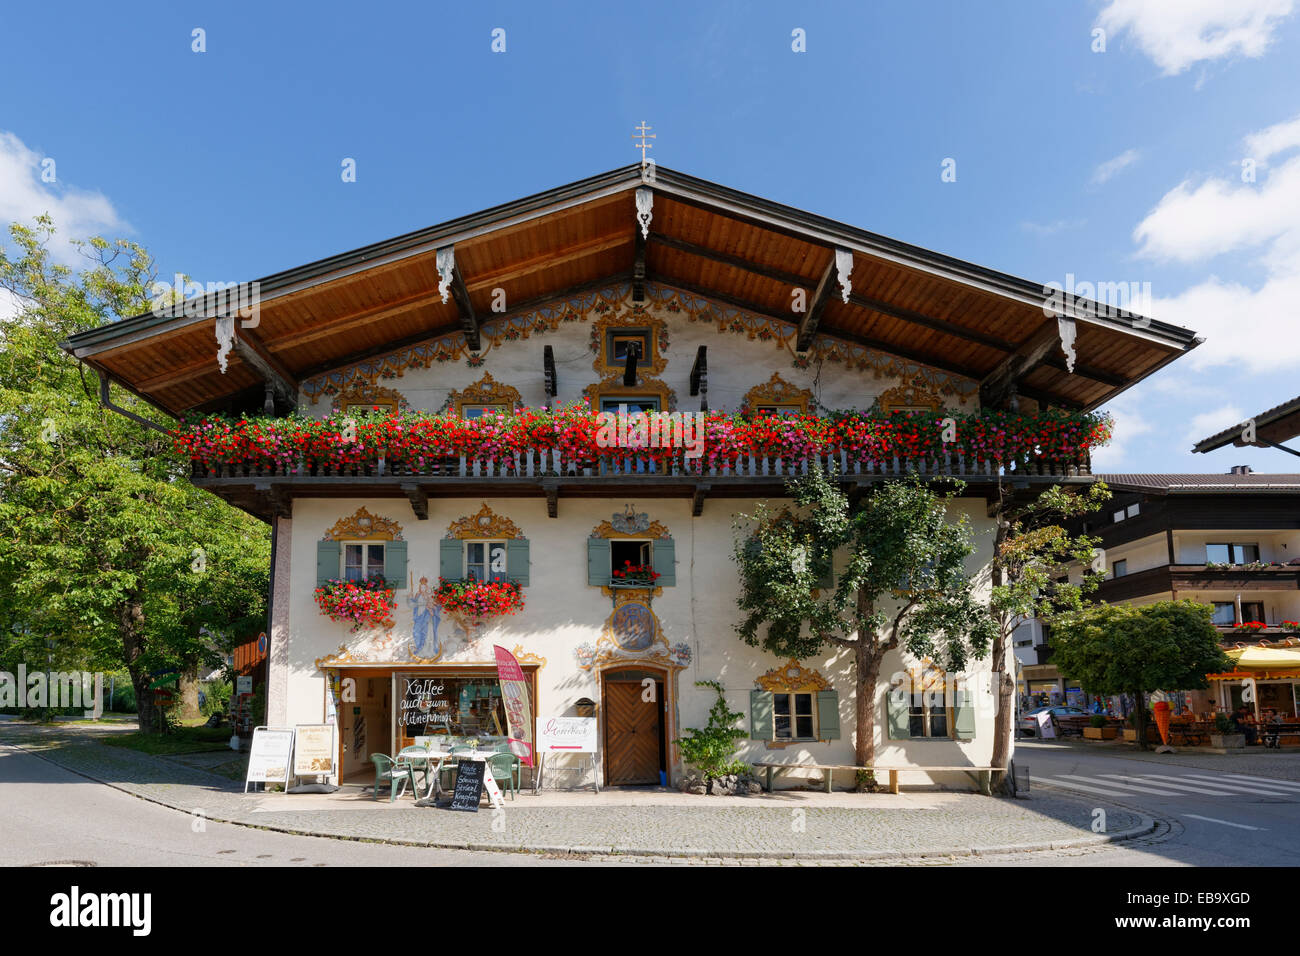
x=902, y=582
x=105, y=547
x=1117, y=649
x=1032, y=554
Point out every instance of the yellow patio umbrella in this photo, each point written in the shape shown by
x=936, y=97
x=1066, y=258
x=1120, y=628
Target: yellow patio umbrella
x=1265, y=658
x=1262, y=663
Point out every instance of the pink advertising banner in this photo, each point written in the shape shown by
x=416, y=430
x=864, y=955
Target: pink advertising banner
x=519, y=710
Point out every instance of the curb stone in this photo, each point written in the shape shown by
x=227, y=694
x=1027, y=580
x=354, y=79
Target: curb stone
x=1146, y=825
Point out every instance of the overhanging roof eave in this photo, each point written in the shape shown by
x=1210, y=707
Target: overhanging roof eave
x=809, y=226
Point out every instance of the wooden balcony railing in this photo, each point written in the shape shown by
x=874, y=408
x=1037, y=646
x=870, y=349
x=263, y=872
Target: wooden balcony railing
x=551, y=463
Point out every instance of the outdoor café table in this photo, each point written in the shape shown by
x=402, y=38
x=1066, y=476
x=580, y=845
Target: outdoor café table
x=442, y=756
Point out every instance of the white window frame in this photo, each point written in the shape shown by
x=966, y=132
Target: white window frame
x=488, y=545
x=365, y=547
x=484, y=408
x=647, y=554
x=792, y=698
x=921, y=704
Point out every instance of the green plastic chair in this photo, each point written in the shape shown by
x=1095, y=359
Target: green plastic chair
x=394, y=774
x=449, y=769
x=508, y=768
x=422, y=768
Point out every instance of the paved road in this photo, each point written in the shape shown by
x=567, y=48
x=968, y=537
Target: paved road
x=89, y=823
x=1220, y=811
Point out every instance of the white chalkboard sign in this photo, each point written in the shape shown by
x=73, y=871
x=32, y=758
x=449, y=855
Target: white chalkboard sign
x=270, y=756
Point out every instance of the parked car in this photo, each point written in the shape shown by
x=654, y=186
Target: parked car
x=1028, y=722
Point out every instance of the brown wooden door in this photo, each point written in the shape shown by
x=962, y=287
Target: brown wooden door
x=631, y=735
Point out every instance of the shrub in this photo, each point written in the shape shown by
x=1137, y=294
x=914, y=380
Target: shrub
x=1097, y=720
x=712, y=751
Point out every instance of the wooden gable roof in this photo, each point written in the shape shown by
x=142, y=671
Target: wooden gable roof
x=705, y=239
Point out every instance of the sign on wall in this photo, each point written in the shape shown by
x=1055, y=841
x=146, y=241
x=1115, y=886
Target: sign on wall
x=313, y=752
x=566, y=735
x=268, y=758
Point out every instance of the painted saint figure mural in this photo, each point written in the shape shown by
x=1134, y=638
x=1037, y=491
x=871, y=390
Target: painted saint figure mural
x=425, y=615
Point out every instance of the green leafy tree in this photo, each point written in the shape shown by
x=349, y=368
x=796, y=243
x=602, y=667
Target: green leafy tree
x=1032, y=554
x=904, y=583
x=104, y=544
x=1118, y=649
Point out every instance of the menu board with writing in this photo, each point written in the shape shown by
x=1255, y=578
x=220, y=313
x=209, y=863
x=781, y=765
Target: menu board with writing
x=313, y=750
x=469, y=785
x=268, y=759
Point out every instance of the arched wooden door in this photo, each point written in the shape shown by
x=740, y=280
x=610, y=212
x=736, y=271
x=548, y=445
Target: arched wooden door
x=634, y=727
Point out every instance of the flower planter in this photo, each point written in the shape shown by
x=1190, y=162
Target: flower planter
x=1228, y=741
x=1100, y=733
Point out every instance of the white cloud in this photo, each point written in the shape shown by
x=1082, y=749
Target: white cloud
x=1254, y=329
x=1213, y=422
x=1277, y=138
x=1112, y=166
x=77, y=213
x=1178, y=33
x=1130, y=424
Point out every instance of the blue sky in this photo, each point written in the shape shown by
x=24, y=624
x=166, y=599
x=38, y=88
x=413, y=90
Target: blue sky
x=1122, y=165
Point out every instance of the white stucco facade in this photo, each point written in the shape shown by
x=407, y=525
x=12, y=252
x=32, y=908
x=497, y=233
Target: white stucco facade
x=562, y=635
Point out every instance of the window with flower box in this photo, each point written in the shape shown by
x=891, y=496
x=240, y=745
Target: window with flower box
x=467, y=559
x=635, y=560
x=478, y=411
x=361, y=561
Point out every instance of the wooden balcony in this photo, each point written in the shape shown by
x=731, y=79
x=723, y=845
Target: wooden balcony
x=1198, y=577
x=265, y=490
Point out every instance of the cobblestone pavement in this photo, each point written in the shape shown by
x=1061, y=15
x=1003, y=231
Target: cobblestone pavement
x=660, y=827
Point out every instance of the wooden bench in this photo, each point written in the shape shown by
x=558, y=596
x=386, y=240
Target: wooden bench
x=984, y=779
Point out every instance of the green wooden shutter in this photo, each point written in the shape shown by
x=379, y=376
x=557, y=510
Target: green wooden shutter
x=663, y=554
x=517, y=561
x=828, y=715
x=964, y=719
x=395, y=564
x=825, y=567
x=896, y=702
x=760, y=715
x=597, y=561
x=451, y=559
x=327, y=562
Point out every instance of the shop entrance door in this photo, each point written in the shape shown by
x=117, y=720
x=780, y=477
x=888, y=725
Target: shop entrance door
x=634, y=746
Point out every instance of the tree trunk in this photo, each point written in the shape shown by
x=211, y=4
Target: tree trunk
x=187, y=685
x=1140, y=719
x=130, y=619
x=1004, y=684
x=867, y=664
x=868, y=667
x=1004, y=689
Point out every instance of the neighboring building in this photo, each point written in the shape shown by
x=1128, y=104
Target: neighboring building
x=1268, y=429
x=1228, y=540
x=644, y=288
